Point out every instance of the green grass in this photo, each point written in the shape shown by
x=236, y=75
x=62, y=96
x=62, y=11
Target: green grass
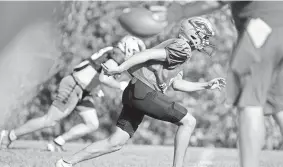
x=33, y=154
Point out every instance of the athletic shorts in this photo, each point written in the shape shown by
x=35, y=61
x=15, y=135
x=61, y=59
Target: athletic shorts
x=256, y=77
x=70, y=95
x=139, y=100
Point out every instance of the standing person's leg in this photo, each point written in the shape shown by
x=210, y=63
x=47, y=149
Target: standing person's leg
x=63, y=105
x=252, y=134
x=251, y=115
x=251, y=78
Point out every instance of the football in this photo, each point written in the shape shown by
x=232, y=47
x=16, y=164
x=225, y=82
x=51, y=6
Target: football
x=140, y=22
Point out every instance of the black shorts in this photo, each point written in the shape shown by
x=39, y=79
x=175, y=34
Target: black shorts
x=256, y=77
x=139, y=100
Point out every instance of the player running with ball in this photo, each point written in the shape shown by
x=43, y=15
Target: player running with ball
x=153, y=71
x=74, y=94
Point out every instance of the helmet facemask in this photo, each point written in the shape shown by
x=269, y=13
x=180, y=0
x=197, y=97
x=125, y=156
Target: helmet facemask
x=198, y=31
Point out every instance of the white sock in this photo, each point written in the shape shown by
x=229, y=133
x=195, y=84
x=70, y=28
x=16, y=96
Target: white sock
x=59, y=140
x=12, y=135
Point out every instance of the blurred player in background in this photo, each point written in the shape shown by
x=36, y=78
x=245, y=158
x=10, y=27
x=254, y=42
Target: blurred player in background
x=74, y=93
x=153, y=71
x=256, y=75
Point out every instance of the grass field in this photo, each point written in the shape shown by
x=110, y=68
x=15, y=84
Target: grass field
x=33, y=154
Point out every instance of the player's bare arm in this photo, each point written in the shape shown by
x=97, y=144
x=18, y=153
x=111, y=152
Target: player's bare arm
x=95, y=56
x=139, y=58
x=187, y=86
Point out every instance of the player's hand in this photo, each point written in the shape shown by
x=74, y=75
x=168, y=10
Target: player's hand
x=217, y=83
x=112, y=70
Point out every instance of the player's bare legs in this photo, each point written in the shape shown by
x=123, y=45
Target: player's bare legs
x=114, y=143
x=182, y=138
x=120, y=137
x=50, y=119
x=252, y=133
x=90, y=124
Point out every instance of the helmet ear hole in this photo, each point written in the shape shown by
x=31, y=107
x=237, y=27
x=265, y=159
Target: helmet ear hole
x=193, y=37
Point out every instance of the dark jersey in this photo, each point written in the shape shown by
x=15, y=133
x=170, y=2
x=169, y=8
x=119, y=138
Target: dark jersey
x=154, y=73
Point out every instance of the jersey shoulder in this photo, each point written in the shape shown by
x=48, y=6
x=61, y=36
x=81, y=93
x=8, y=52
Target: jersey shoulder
x=178, y=51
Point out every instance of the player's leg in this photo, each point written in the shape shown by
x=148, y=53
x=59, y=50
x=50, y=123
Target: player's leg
x=252, y=133
x=182, y=139
x=32, y=125
x=114, y=143
x=91, y=123
x=161, y=107
x=64, y=103
x=127, y=124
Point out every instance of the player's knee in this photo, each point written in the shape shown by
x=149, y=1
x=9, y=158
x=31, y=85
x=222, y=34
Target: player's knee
x=116, y=145
x=48, y=122
x=93, y=125
x=189, y=121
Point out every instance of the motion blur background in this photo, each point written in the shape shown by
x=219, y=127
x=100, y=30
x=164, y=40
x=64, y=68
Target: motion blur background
x=37, y=50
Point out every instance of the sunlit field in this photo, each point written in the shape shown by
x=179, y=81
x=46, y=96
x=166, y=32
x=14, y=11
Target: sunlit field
x=33, y=154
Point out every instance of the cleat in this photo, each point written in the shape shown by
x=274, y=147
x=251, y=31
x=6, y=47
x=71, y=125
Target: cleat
x=53, y=147
x=62, y=163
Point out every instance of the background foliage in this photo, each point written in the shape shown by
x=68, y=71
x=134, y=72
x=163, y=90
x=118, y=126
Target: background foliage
x=88, y=26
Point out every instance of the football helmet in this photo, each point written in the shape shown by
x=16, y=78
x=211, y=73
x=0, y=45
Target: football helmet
x=197, y=31
x=130, y=45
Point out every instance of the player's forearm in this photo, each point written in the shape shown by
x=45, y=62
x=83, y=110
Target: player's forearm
x=101, y=52
x=186, y=86
x=142, y=57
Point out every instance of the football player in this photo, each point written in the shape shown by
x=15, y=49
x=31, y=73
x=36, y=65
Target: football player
x=153, y=71
x=74, y=93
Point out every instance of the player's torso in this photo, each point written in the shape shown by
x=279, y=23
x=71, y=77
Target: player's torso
x=87, y=73
x=86, y=77
x=154, y=73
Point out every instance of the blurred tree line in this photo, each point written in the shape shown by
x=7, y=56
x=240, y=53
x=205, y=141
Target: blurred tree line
x=88, y=26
